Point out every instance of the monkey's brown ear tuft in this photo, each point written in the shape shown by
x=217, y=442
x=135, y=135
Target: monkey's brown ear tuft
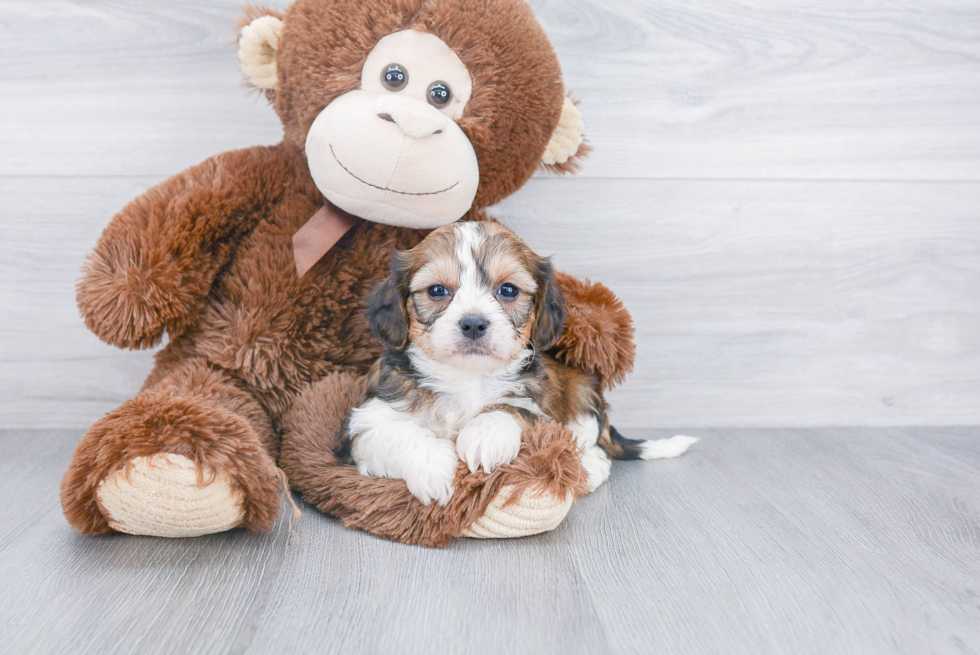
x=567, y=147
x=258, y=41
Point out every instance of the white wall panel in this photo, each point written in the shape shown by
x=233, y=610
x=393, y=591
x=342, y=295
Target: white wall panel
x=786, y=195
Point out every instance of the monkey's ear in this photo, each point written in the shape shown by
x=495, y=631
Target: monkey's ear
x=386, y=306
x=257, y=45
x=567, y=146
x=549, y=308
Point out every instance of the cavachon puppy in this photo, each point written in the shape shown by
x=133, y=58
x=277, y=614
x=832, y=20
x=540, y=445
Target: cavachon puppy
x=466, y=318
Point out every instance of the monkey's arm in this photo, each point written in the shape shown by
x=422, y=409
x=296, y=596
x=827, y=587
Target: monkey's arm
x=598, y=335
x=155, y=262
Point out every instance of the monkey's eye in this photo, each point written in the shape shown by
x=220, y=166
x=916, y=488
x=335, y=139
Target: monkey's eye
x=438, y=292
x=508, y=291
x=439, y=94
x=394, y=77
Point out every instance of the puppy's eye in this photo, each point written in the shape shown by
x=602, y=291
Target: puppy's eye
x=438, y=292
x=508, y=291
x=394, y=77
x=439, y=94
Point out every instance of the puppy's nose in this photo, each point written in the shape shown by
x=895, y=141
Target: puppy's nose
x=474, y=326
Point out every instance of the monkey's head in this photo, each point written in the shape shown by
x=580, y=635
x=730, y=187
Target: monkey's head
x=412, y=112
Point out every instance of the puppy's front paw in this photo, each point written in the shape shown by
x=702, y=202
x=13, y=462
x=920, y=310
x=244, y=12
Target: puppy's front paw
x=489, y=440
x=431, y=478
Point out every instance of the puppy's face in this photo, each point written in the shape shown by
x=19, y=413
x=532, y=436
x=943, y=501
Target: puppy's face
x=471, y=295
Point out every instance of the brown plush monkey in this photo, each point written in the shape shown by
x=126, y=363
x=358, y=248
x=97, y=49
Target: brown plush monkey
x=399, y=116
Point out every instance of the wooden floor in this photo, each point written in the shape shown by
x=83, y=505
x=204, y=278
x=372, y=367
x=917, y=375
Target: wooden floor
x=756, y=541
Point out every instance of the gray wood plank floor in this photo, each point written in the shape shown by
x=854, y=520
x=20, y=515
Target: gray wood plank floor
x=757, y=541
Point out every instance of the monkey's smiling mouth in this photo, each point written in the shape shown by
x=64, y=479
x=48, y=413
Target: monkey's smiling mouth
x=404, y=193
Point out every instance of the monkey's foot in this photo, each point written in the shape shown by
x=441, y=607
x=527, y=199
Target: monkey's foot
x=163, y=495
x=534, y=513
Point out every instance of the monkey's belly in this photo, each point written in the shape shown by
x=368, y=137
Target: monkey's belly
x=277, y=331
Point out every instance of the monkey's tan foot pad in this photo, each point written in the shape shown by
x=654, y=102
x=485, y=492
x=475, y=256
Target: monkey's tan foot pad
x=160, y=496
x=534, y=513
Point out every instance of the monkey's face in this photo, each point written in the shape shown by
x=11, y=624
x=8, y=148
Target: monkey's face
x=414, y=112
x=391, y=150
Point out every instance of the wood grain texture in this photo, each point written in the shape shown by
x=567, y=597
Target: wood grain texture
x=752, y=195
x=123, y=88
x=779, y=303
x=764, y=303
x=779, y=90
x=763, y=541
x=718, y=88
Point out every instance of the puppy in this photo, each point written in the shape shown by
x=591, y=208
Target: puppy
x=466, y=318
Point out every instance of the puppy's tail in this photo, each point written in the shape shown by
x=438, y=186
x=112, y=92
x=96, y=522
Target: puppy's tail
x=619, y=447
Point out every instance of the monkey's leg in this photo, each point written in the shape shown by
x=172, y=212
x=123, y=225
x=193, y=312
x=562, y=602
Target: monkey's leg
x=189, y=455
x=531, y=494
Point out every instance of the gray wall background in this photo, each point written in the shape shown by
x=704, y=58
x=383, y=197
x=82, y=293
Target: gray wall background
x=785, y=194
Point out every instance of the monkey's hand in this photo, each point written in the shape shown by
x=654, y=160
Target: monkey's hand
x=128, y=295
x=598, y=335
x=155, y=263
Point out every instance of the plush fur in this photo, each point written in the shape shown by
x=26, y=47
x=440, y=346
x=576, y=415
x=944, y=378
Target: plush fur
x=195, y=411
x=517, y=88
x=259, y=358
x=549, y=461
x=598, y=336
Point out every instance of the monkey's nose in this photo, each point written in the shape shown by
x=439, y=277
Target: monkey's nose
x=413, y=117
x=474, y=326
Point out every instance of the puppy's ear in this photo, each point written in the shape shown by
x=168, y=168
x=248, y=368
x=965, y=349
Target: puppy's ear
x=386, y=306
x=549, y=308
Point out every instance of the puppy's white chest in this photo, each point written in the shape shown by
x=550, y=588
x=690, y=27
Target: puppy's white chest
x=452, y=410
x=459, y=394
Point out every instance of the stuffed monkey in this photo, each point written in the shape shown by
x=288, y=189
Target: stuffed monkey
x=398, y=116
